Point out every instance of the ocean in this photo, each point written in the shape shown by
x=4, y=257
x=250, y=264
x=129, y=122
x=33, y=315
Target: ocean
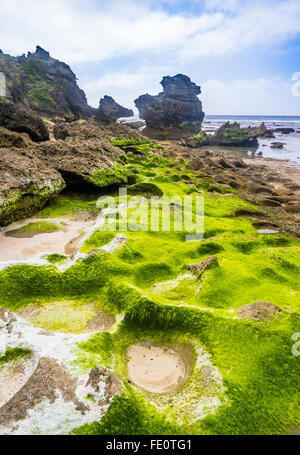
x=290, y=151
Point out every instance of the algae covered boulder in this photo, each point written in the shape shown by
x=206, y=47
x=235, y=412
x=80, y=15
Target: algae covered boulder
x=231, y=134
x=26, y=184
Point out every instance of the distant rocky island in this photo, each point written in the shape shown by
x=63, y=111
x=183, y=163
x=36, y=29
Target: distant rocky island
x=142, y=331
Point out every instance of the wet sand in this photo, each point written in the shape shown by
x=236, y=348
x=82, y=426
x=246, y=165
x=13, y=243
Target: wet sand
x=60, y=242
x=159, y=369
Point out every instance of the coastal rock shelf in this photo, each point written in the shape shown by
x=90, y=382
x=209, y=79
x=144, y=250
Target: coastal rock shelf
x=112, y=321
x=123, y=298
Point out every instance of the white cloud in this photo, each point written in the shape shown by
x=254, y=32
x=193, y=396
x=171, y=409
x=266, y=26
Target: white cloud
x=260, y=26
x=92, y=31
x=125, y=86
x=263, y=96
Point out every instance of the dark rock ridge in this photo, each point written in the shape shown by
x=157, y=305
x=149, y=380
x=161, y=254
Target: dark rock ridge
x=110, y=111
x=20, y=120
x=174, y=113
x=43, y=84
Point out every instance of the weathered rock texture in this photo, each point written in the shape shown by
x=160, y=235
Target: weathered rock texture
x=110, y=111
x=43, y=84
x=2, y=84
x=84, y=158
x=174, y=113
x=26, y=184
x=12, y=139
x=16, y=118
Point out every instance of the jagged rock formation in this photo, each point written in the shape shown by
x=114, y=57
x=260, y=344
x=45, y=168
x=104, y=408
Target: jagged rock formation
x=43, y=84
x=110, y=111
x=174, y=113
x=20, y=120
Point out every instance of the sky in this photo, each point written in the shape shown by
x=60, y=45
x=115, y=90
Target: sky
x=243, y=53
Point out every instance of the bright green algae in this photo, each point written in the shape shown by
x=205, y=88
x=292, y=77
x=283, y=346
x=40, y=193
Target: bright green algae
x=260, y=375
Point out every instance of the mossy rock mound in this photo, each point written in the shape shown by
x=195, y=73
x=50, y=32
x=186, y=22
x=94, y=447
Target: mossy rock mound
x=145, y=189
x=258, y=311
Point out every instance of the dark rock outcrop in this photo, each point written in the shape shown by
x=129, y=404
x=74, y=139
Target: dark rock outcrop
x=44, y=84
x=284, y=130
x=83, y=156
x=174, y=113
x=277, y=145
x=91, y=129
x=110, y=111
x=21, y=120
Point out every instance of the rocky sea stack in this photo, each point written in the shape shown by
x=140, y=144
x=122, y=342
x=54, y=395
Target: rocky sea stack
x=43, y=84
x=174, y=113
x=110, y=111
